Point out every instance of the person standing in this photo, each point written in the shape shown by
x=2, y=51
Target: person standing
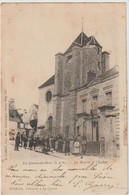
x=17, y=141
x=34, y=142
x=21, y=139
x=31, y=142
x=25, y=141
x=67, y=147
x=53, y=143
x=83, y=146
x=48, y=143
x=61, y=145
x=77, y=145
x=58, y=148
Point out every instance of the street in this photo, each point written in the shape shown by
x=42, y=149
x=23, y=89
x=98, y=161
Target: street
x=26, y=154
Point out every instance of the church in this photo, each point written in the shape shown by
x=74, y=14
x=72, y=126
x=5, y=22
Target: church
x=82, y=98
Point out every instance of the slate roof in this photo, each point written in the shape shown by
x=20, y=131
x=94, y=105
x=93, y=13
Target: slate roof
x=111, y=72
x=83, y=40
x=48, y=82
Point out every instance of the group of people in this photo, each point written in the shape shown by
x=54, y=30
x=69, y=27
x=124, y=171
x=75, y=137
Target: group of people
x=51, y=144
x=19, y=140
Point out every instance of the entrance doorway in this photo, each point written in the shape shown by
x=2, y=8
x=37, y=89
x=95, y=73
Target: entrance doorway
x=50, y=120
x=93, y=146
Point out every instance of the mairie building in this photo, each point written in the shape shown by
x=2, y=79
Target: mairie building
x=82, y=98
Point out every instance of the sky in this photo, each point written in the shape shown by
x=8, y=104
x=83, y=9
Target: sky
x=32, y=34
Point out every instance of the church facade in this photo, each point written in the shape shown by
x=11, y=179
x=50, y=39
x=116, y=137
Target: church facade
x=82, y=97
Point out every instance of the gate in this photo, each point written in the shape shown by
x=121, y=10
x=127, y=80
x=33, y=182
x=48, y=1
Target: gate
x=93, y=148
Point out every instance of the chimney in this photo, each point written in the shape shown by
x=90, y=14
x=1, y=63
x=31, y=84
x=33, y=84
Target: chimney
x=91, y=75
x=105, y=61
x=12, y=104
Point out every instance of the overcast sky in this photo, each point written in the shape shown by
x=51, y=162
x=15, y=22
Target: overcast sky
x=33, y=33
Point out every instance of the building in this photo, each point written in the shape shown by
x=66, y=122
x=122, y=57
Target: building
x=15, y=119
x=97, y=115
x=45, y=111
x=33, y=112
x=75, y=100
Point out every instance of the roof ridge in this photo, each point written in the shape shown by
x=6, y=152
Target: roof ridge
x=109, y=73
x=50, y=81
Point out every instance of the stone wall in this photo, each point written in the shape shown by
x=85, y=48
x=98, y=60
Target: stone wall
x=64, y=115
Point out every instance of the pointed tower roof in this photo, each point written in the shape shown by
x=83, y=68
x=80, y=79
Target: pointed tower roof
x=83, y=40
x=92, y=41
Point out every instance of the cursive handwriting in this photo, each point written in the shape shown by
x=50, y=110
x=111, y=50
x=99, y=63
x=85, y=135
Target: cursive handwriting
x=102, y=176
x=17, y=183
x=57, y=183
x=13, y=168
x=92, y=166
x=97, y=187
x=90, y=176
x=36, y=183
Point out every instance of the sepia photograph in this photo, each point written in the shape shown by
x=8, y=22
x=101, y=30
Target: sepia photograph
x=64, y=98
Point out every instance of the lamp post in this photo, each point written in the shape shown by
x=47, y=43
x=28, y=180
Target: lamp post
x=84, y=126
x=92, y=127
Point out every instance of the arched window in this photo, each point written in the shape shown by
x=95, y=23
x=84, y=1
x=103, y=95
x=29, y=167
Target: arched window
x=50, y=123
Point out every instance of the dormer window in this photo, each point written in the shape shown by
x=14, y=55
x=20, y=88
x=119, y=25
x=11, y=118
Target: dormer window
x=84, y=105
x=95, y=98
x=95, y=101
x=109, y=98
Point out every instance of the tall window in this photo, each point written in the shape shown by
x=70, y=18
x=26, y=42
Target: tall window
x=78, y=130
x=84, y=105
x=99, y=67
x=109, y=98
x=95, y=132
x=95, y=100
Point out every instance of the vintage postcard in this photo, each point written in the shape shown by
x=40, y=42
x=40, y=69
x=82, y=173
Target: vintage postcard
x=64, y=98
